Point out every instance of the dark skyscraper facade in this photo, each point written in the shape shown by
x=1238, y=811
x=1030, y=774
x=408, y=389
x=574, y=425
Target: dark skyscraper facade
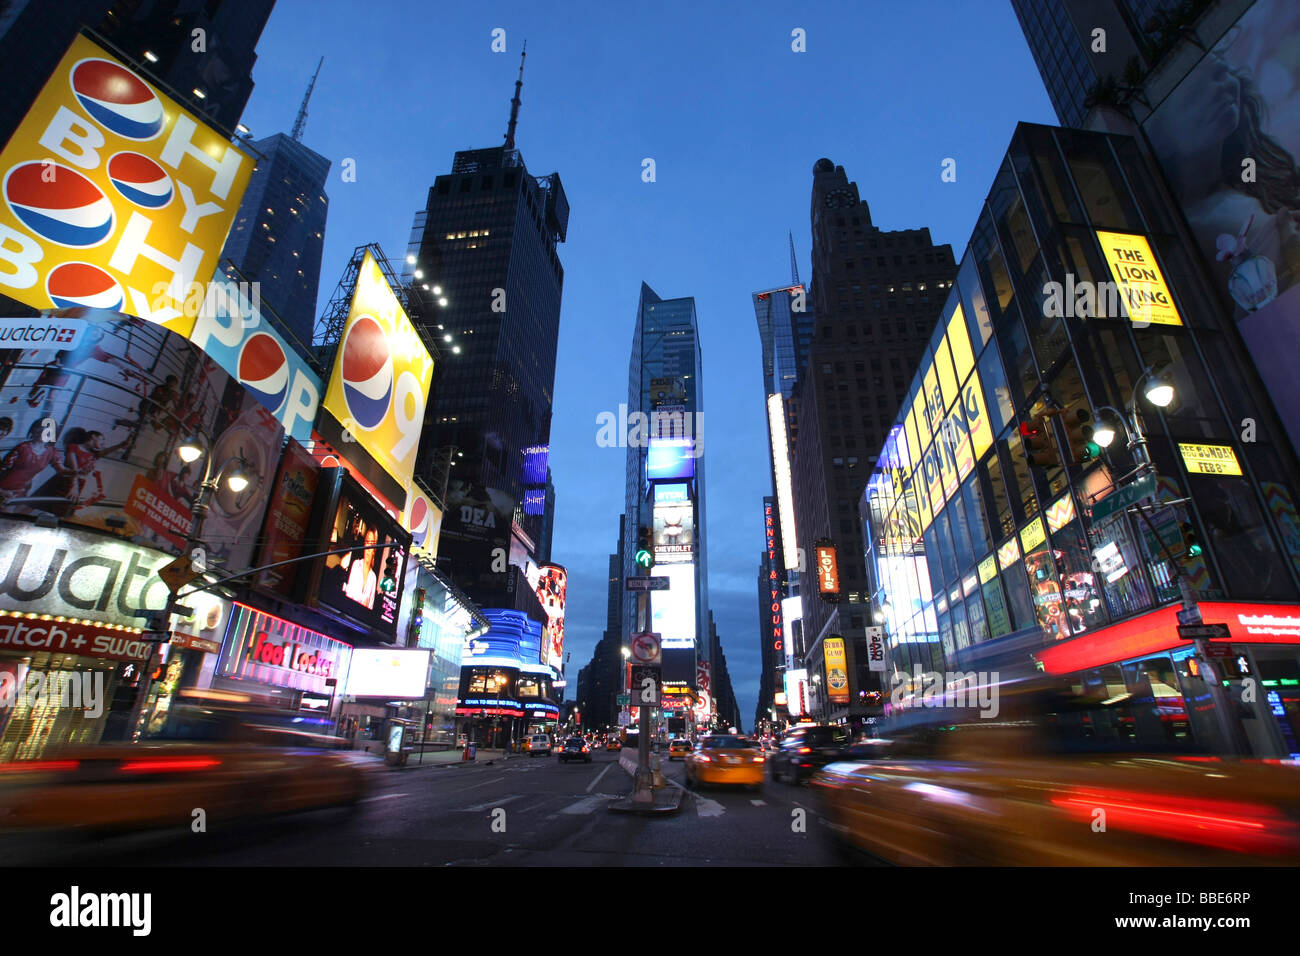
x=279, y=231
x=1073, y=58
x=486, y=281
x=876, y=295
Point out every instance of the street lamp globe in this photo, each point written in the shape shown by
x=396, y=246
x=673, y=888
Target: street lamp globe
x=190, y=449
x=1159, y=391
x=240, y=478
x=1103, y=434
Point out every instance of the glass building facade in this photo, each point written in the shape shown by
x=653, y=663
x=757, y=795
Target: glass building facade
x=975, y=556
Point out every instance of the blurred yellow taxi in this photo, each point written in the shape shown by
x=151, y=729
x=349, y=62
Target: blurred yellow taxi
x=678, y=748
x=232, y=764
x=726, y=759
x=1004, y=793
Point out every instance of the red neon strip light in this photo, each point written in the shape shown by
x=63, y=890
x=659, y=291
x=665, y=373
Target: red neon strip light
x=183, y=763
x=37, y=766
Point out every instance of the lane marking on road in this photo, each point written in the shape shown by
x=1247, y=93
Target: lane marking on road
x=598, y=776
x=492, y=805
x=758, y=803
x=384, y=796
x=587, y=805
x=475, y=786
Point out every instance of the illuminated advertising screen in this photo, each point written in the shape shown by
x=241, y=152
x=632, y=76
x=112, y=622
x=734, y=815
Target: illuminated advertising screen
x=378, y=387
x=90, y=433
x=672, y=612
x=476, y=525
x=837, y=670
x=513, y=638
x=535, y=465
x=489, y=692
x=424, y=520
x=382, y=672
x=674, y=532
x=353, y=584
x=784, y=487
x=796, y=692
x=270, y=650
x=552, y=592
x=670, y=459
x=288, y=517
x=828, y=571
x=115, y=197
x=230, y=328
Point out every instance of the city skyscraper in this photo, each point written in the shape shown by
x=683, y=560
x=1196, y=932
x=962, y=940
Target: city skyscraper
x=876, y=295
x=485, y=283
x=1076, y=61
x=664, y=477
x=279, y=232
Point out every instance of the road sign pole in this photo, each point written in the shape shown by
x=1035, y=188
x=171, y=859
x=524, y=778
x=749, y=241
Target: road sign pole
x=643, y=783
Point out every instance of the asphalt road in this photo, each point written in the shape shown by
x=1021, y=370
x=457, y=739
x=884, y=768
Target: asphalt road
x=518, y=812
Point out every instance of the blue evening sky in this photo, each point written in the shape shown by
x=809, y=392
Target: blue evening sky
x=734, y=121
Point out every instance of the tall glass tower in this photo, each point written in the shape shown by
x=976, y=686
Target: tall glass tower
x=665, y=477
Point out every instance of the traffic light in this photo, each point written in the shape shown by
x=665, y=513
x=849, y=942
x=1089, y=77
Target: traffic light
x=388, y=583
x=1079, y=429
x=645, y=549
x=1191, y=541
x=417, y=610
x=1036, y=442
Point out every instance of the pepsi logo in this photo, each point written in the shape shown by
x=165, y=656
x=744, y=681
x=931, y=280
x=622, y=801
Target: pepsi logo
x=264, y=370
x=75, y=284
x=367, y=372
x=419, y=524
x=59, y=204
x=140, y=180
x=117, y=99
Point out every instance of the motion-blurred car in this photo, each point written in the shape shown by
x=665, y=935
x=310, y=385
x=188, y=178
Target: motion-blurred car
x=1021, y=792
x=537, y=744
x=232, y=762
x=679, y=748
x=804, y=750
x=575, y=748
x=726, y=759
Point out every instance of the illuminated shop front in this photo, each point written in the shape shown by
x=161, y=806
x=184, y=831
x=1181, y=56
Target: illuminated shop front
x=973, y=548
x=506, y=691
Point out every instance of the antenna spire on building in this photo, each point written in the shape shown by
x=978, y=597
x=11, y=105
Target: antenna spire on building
x=514, y=104
x=301, y=121
x=794, y=263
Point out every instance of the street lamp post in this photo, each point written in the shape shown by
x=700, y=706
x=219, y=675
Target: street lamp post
x=240, y=476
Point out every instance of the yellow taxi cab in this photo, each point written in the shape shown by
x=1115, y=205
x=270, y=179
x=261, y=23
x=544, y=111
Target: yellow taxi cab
x=233, y=763
x=612, y=743
x=1013, y=792
x=726, y=759
x=678, y=748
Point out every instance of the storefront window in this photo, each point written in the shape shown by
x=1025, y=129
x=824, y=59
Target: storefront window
x=997, y=396
x=1017, y=590
x=976, y=310
x=979, y=628
x=992, y=272
x=1084, y=605
x=976, y=521
x=995, y=493
x=999, y=616
x=960, y=633
x=1020, y=483
x=1243, y=548
x=1097, y=177
x=1022, y=371
x=945, y=548
x=960, y=521
x=1119, y=571
x=1045, y=590
x=1195, y=413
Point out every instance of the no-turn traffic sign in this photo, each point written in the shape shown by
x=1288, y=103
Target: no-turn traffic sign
x=646, y=648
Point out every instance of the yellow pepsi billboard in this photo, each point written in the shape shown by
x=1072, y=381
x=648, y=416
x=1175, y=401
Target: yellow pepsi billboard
x=115, y=197
x=378, y=388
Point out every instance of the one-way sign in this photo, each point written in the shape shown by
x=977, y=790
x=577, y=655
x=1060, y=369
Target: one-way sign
x=1203, y=632
x=647, y=584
